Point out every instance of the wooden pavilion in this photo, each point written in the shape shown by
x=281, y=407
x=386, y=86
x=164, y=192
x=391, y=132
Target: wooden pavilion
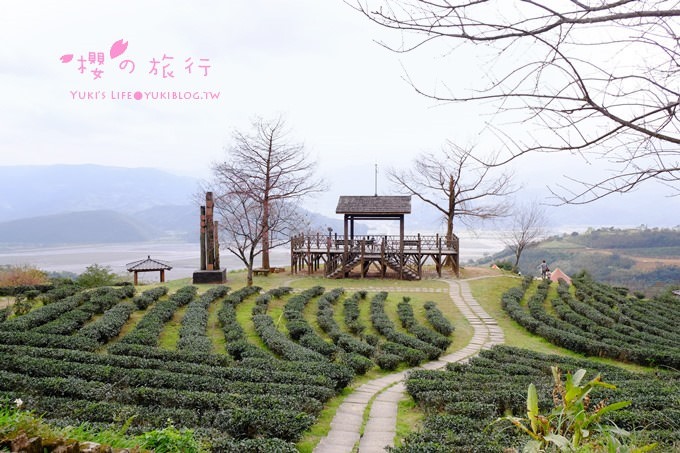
x=148, y=265
x=403, y=255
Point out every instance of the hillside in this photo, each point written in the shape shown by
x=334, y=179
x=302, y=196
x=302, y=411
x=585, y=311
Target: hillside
x=178, y=221
x=93, y=227
x=141, y=204
x=642, y=259
x=44, y=190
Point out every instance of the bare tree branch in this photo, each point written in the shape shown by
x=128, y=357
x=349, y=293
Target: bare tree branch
x=456, y=185
x=265, y=168
x=528, y=228
x=599, y=78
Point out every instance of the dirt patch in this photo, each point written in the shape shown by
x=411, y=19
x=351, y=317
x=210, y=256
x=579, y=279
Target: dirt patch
x=472, y=272
x=649, y=264
x=6, y=301
x=642, y=263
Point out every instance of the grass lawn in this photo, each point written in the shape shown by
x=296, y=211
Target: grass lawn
x=215, y=332
x=170, y=334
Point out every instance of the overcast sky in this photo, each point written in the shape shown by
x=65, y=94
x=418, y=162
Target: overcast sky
x=315, y=62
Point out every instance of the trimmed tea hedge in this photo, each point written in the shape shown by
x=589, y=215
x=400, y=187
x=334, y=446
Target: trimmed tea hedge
x=462, y=402
x=597, y=320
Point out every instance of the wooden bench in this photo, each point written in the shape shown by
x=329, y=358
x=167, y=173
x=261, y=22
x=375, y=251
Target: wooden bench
x=260, y=271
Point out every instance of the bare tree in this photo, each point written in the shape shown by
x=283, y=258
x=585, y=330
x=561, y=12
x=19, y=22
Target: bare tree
x=599, y=77
x=454, y=183
x=266, y=169
x=528, y=228
x=241, y=225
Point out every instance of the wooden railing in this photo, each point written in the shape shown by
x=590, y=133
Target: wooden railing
x=374, y=243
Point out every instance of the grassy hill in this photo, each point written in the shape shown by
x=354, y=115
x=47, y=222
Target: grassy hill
x=642, y=259
x=93, y=227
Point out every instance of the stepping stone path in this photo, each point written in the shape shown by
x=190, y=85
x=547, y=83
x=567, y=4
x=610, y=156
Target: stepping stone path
x=385, y=393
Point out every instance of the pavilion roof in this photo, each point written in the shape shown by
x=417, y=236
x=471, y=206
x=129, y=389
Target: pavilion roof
x=148, y=264
x=374, y=204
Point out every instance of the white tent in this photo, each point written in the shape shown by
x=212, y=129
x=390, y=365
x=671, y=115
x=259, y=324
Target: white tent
x=557, y=275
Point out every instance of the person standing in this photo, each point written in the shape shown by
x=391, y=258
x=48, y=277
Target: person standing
x=544, y=269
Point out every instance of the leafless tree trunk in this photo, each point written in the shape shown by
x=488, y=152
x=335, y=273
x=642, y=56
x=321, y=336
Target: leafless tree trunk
x=454, y=183
x=264, y=167
x=528, y=227
x=241, y=225
x=600, y=78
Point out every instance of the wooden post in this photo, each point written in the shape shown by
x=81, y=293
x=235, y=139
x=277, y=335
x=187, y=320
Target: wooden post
x=401, y=247
x=135, y=278
x=361, y=259
x=346, y=238
x=309, y=255
x=418, y=256
x=162, y=275
x=439, y=256
x=210, y=235
x=202, y=239
x=292, y=255
x=217, y=246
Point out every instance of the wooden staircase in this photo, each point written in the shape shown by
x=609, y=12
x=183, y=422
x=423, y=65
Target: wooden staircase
x=407, y=273
x=342, y=270
x=391, y=261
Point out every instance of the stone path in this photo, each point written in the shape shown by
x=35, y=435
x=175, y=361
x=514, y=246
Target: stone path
x=385, y=393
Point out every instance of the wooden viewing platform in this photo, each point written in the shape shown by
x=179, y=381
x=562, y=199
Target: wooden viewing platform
x=403, y=255
x=339, y=257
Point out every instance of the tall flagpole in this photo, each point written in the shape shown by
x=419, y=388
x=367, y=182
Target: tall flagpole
x=376, y=179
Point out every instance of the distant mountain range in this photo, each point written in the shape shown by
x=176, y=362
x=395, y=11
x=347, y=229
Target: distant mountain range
x=68, y=204
x=30, y=191
x=91, y=204
x=84, y=227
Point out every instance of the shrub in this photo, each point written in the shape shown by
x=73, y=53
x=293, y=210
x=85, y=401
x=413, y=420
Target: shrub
x=13, y=276
x=171, y=440
x=150, y=296
x=4, y=313
x=357, y=362
x=96, y=275
x=387, y=361
x=437, y=319
x=22, y=305
x=505, y=265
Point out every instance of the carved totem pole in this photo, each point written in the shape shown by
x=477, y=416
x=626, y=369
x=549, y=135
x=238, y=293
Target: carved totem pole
x=210, y=247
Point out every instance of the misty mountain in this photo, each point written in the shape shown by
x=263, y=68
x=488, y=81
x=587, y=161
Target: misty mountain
x=152, y=204
x=320, y=223
x=29, y=191
x=179, y=221
x=85, y=227
x=81, y=204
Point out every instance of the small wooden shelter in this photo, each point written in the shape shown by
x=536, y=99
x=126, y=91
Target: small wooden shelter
x=148, y=265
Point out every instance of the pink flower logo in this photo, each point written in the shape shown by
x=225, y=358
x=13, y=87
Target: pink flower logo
x=66, y=58
x=118, y=48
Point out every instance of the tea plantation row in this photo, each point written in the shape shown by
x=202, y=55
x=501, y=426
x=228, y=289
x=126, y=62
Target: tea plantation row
x=69, y=361
x=598, y=320
x=463, y=403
